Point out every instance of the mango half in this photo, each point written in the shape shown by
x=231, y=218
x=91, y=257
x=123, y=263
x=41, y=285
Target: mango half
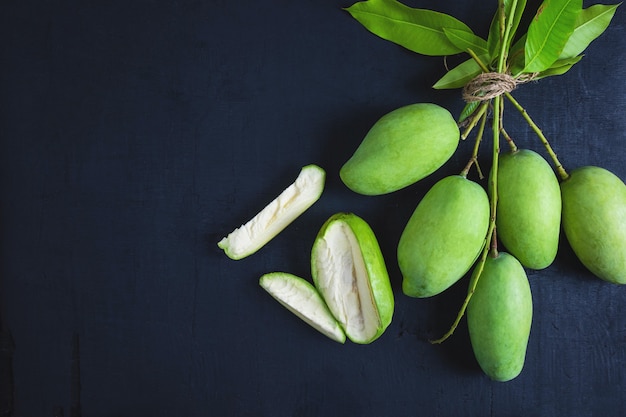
x=443, y=236
x=499, y=317
x=349, y=271
x=529, y=208
x=401, y=148
x=594, y=221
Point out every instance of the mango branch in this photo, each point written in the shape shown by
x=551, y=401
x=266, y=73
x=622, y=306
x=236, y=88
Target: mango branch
x=493, y=179
x=490, y=243
x=558, y=166
x=474, y=159
x=506, y=34
x=475, y=119
x=508, y=139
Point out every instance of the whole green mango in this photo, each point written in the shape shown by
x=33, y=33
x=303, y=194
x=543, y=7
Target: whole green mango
x=401, y=148
x=529, y=208
x=443, y=236
x=499, y=317
x=594, y=221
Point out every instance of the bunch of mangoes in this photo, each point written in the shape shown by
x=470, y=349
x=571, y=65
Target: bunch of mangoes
x=453, y=225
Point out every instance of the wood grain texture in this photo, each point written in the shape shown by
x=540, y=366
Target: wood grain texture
x=135, y=135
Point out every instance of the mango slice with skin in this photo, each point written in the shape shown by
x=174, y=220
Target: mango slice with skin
x=594, y=221
x=277, y=215
x=349, y=272
x=301, y=298
x=443, y=236
x=529, y=208
x=401, y=148
x=499, y=317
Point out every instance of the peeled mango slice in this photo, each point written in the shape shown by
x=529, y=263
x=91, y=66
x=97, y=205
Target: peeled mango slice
x=529, y=208
x=349, y=271
x=594, y=221
x=302, y=299
x=499, y=317
x=277, y=215
x=401, y=148
x=443, y=236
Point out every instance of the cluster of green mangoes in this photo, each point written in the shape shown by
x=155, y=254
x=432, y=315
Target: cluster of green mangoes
x=450, y=227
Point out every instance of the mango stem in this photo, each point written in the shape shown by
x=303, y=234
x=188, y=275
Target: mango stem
x=475, y=119
x=490, y=242
x=474, y=159
x=558, y=166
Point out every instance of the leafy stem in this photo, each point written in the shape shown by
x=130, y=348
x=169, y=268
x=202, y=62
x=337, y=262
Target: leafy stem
x=558, y=166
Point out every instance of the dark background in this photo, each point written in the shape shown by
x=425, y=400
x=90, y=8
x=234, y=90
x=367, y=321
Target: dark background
x=136, y=134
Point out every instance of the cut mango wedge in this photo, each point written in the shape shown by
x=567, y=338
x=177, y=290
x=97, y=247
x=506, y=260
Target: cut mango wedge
x=277, y=215
x=302, y=298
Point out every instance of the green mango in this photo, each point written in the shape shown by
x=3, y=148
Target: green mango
x=594, y=221
x=349, y=272
x=443, y=236
x=499, y=317
x=401, y=148
x=528, y=217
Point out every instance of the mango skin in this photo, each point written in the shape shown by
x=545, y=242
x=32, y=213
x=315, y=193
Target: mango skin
x=594, y=221
x=499, y=317
x=443, y=236
x=401, y=148
x=528, y=216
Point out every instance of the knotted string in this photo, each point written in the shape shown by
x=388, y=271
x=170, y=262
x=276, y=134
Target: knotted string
x=489, y=85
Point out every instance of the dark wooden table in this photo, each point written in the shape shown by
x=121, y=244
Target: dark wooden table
x=135, y=134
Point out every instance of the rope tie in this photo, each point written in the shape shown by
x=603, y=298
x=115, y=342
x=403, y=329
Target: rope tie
x=489, y=85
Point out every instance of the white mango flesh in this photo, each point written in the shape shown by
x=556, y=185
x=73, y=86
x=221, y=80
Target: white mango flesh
x=277, y=215
x=302, y=299
x=341, y=276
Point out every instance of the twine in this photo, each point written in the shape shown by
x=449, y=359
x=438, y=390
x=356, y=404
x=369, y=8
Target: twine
x=489, y=85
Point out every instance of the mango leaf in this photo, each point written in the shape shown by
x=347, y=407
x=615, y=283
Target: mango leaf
x=590, y=24
x=466, y=40
x=559, y=67
x=515, y=16
x=468, y=110
x=493, y=40
x=517, y=56
x=548, y=33
x=460, y=75
x=419, y=30
x=566, y=61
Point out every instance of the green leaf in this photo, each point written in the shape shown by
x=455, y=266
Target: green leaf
x=460, y=75
x=566, y=61
x=466, y=40
x=559, y=67
x=590, y=24
x=548, y=33
x=516, y=16
x=493, y=40
x=517, y=56
x=468, y=110
x=418, y=30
